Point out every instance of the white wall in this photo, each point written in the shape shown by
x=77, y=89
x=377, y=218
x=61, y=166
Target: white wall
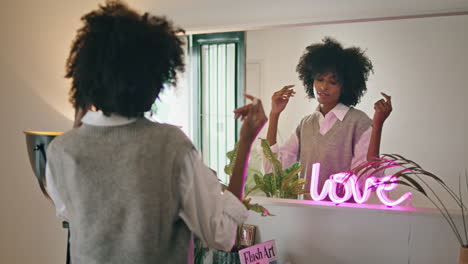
x=421, y=63
x=36, y=36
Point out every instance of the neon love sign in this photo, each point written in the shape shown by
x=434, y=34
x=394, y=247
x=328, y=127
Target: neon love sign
x=351, y=189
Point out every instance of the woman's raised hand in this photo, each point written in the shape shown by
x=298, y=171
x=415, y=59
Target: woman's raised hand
x=280, y=99
x=382, y=108
x=253, y=116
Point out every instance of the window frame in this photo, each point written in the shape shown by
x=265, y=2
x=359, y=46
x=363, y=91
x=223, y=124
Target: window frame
x=195, y=66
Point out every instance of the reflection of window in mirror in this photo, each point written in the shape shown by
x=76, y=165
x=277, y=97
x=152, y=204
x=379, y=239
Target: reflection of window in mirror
x=217, y=75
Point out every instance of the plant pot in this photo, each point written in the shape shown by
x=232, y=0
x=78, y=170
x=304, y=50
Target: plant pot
x=220, y=257
x=463, y=256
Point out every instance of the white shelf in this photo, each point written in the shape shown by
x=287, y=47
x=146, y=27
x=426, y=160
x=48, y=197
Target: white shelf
x=332, y=206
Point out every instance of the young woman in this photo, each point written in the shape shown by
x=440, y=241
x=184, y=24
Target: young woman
x=133, y=190
x=336, y=135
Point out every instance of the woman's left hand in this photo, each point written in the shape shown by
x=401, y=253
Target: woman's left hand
x=253, y=117
x=382, y=108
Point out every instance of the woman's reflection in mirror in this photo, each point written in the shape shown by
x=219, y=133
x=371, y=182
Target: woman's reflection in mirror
x=334, y=134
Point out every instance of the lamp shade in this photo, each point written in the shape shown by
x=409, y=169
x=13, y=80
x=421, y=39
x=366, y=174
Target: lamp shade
x=37, y=143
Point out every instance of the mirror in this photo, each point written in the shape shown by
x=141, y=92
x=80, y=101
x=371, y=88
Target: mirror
x=422, y=63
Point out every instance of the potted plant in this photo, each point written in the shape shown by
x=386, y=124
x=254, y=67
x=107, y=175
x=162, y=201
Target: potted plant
x=411, y=174
x=216, y=256
x=279, y=183
x=252, y=174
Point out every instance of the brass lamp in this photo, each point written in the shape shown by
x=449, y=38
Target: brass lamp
x=37, y=143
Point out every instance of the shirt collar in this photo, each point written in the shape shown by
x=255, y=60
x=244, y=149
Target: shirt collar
x=99, y=119
x=339, y=111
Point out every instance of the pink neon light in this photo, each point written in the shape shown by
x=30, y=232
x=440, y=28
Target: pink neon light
x=351, y=189
x=388, y=187
x=314, y=183
x=364, y=196
x=335, y=180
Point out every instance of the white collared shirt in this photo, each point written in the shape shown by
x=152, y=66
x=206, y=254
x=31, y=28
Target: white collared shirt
x=287, y=153
x=212, y=215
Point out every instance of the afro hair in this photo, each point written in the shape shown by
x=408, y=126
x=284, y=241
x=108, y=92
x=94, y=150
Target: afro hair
x=351, y=66
x=120, y=60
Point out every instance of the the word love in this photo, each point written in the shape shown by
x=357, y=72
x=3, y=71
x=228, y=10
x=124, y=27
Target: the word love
x=351, y=189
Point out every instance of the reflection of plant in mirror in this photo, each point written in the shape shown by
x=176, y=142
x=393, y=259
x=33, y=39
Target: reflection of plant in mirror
x=279, y=183
x=232, y=155
x=410, y=174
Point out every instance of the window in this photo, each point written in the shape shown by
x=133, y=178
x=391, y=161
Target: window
x=217, y=69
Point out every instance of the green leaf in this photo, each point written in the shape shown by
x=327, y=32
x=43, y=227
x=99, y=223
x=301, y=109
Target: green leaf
x=231, y=155
x=267, y=179
x=272, y=158
x=250, y=190
x=274, y=186
x=292, y=168
x=426, y=173
x=258, y=179
x=290, y=176
x=256, y=208
x=254, y=171
x=298, y=186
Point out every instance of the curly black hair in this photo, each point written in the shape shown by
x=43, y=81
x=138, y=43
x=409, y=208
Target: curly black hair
x=351, y=66
x=120, y=60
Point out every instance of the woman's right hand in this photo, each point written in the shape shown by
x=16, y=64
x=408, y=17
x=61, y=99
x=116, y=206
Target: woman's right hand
x=280, y=99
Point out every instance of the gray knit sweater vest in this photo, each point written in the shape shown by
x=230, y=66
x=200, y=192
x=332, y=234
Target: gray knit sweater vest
x=120, y=187
x=334, y=150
